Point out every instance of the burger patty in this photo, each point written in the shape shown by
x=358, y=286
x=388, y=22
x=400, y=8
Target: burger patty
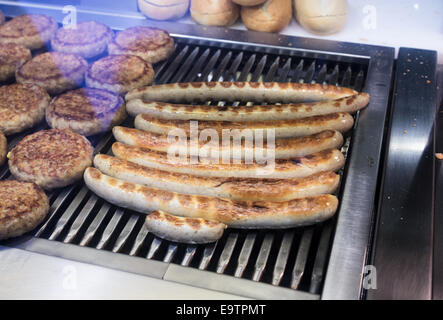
x=54, y=71
x=119, y=73
x=23, y=207
x=86, y=111
x=88, y=40
x=12, y=56
x=21, y=107
x=3, y=148
x=152, y=45
x=51, y=158
x=30, y=30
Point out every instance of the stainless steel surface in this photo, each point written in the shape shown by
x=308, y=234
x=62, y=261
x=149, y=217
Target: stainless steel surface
x=404, y=231
x=357, y=205
x=302, y=256
x=37, y=276
x=237, y=286
x=217, y=54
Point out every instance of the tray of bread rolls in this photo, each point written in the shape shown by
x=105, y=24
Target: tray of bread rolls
x=188, y=143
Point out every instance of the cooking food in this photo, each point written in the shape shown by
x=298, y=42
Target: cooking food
x=21, y=107
x=88, y=39
x=150, y=44
x=271, y=16
x=186, y=230
x=51, y=158
x=273, y=92
x=320, y=16
x=163, y=9
x=23, y=207
x=248, y=2
x=54, y=71
x=12, y=56
x=340, y=121
x=30, y=30
x=214, y=12
x=246, y=113
x=86, y=111
x=3, y=148
x=254, y=189
x=328, y=160
x=282, y=149
x=239, y=214
x=119, y=73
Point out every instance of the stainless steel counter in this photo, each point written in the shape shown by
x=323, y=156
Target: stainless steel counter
x=29, y=275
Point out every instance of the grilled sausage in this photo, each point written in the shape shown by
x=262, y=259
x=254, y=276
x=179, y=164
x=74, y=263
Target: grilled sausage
x=284, y=148
x=240, y=91
x=235, y=189
x=342, y=122
x=327, y=160
x=169, y=111
x=186, y=230
x=237, y=214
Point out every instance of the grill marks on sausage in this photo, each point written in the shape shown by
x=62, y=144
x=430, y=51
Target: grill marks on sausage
x=192, y=223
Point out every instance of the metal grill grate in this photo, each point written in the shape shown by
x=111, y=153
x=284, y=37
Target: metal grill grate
x=294, y=258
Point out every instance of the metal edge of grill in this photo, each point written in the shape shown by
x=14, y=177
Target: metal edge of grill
x=362, y=166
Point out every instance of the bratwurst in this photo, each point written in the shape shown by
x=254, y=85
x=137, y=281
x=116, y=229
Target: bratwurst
x=340, y=121
x=275, y=190
x=283, y=148
x=170, y=111
x=327, y=160
x=238, y=214
x=186, y=230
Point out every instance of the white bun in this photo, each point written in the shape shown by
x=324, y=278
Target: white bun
x=163, y=9
x=321, y=17
x=271, y=16
x=248, y=3
x=214, y=12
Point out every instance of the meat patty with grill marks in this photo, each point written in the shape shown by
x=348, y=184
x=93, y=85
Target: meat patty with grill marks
x=86, y=111
x=54, y=71
x=21, y=107
x=89, y=39
x=150, y=44
x=119, y=73
x=23, y=207
x=51, y=158
x=12, y=56
x=30, y=30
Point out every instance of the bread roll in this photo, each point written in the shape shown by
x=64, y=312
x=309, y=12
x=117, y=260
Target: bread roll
x=248, y=3
x=271, y=16
x=214, y=12
x=163, y=9
x=321, y=16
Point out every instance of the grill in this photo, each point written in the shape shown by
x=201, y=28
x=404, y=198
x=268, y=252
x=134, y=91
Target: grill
x=289, y=263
